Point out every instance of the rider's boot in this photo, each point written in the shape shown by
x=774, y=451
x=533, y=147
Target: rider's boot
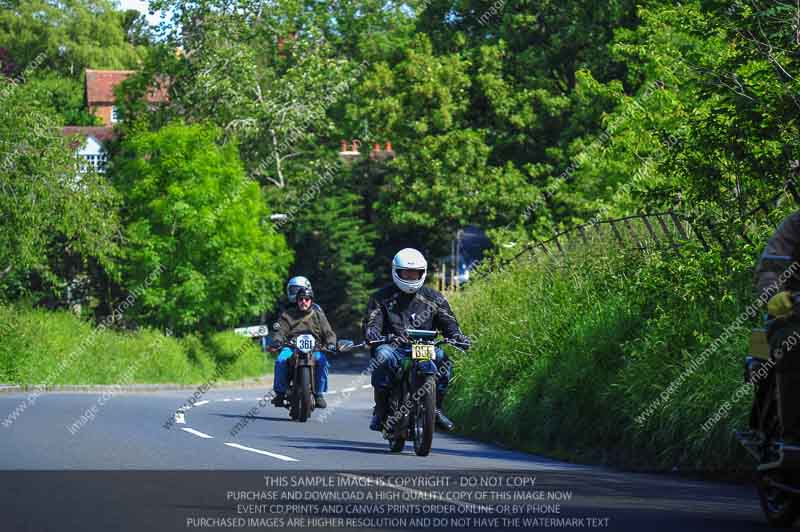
x=442, y=421
x=319, y=401
x=381, y=406
x=279, y=399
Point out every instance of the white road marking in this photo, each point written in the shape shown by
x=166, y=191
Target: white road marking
x=238, y=399
x=228, y=400
x=348, y=390
x=179, y=418
x=367, y=386
x=201, y=403
x=265, y=453
x=196, y=433
x=331, y=392
x=468, y=506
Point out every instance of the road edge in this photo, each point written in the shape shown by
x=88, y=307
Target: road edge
x=223, y=385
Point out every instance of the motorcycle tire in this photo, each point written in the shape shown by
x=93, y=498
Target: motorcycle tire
x=781, y=509
x=304, y=396
x=292, y=405
x=424, y=420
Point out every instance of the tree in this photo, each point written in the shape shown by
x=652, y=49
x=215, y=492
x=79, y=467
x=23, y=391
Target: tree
x=193, y=217
x=715, y=122
x=137, y=29
x=46, y=207
x=333, y=247
x=442, y=179
x=64, y=97
x=69, y=35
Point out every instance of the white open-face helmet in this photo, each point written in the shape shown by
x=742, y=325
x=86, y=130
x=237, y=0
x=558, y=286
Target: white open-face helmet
x=295, y=284
x=409, y=259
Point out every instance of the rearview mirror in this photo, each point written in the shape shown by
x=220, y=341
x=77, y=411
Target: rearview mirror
x=343, y=345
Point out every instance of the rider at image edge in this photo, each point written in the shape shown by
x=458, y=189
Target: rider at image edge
x=407, y=304
x=782, y=254
x=301, y=317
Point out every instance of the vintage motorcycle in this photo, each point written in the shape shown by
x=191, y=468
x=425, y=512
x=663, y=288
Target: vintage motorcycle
x=411, y=413
x=301, y=391
x=778, y=469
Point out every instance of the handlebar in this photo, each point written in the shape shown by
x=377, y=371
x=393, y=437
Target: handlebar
x=290, y=344
x=461, y=346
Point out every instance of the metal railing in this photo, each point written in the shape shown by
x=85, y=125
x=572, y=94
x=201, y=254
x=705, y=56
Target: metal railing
x=668, y=229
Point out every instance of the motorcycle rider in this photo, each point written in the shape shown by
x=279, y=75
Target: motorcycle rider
x=776, y=279
x=303, y=317
x=292, y=287
x=407, y=304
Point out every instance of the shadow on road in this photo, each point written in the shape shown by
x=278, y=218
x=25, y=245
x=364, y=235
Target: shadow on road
x=381, y=446
x=349, y=363
x=264, y=418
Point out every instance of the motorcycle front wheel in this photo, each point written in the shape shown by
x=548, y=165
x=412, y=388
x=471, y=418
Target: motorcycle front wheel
x=425, y=418
x=780, y=508
x=303, y=396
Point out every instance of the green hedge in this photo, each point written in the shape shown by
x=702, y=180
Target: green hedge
x=55, y=347
x=569, y=354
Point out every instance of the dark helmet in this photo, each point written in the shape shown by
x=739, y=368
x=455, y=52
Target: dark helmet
x=304, y=292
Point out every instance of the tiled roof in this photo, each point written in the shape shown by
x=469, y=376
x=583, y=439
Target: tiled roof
x=101, y=133
x=100, y=86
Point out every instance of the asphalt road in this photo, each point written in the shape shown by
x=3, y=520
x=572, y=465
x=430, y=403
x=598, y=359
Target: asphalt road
x=229, y=457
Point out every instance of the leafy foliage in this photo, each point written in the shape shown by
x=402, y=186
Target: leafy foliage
x=48, y=209
x=193, y=217
x=69, y=35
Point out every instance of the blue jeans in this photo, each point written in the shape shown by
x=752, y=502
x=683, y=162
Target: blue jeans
x=282, y=371
x=386, y=366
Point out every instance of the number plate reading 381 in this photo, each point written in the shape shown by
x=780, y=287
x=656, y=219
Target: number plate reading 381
x=422, y=352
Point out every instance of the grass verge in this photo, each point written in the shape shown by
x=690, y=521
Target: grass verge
x=604, y=356
x=38, y=346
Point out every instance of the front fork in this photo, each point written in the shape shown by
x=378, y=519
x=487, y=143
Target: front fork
x=411, y=377
x=308, y=361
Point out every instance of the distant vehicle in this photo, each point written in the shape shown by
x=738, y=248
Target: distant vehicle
x=468, y=251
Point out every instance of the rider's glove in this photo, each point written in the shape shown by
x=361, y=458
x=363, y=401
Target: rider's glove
x=462, y=339
x=780, y=305
x=331, y=347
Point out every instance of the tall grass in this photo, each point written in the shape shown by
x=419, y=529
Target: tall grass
x=570, y=351
x=39, y=346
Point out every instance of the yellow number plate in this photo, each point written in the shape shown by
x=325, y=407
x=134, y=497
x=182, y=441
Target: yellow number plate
x=422, y=352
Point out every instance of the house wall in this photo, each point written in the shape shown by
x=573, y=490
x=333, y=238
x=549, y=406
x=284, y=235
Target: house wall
x=93, y=154
x=103, y=112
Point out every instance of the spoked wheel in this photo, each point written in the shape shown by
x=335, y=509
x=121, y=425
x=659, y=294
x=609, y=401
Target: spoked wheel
x=780, y=508
x=303, y=398
x=424, y=418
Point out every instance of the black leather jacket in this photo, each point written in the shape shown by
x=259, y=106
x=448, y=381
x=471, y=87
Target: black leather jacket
x=391, y=311
x=778, y=267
